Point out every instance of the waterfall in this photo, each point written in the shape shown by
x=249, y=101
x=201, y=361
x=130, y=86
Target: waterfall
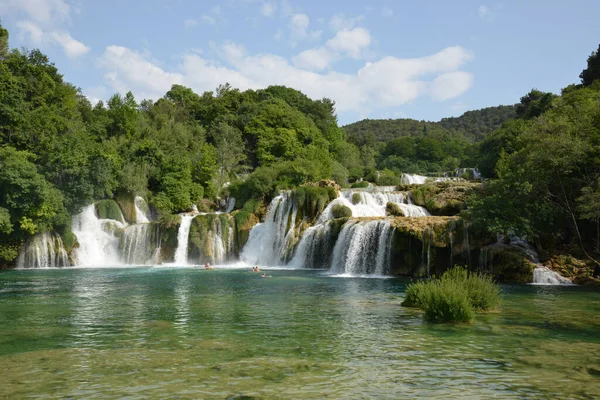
x=545, y=276
x=211, y=238
x=98, y=245
x=269, y=242
x=45, y=250
x=363, y=247
x=137, y=245
x=315, y=248
x=367, y=204
x=141, y=208
x=230, y=204
x=182, y=239
x=412, y=179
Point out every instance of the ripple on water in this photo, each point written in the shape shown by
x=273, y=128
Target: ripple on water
x=183, y=332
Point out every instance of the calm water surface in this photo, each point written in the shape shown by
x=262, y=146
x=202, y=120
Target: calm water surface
x=140, y=333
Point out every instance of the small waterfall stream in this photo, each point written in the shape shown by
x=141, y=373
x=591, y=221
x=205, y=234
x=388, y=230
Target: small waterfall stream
x=269, y=242
x=44, y=250
x=181, y=253
x=98, y=246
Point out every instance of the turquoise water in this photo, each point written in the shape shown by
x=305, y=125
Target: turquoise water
x=141, y=333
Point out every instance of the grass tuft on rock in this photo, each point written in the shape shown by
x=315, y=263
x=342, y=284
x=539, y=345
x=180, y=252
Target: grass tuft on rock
x=454, y=297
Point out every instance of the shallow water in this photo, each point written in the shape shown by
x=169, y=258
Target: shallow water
x=188, y=333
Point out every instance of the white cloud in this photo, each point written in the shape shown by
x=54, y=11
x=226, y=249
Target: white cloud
x=350, y=42
x=207, y=19
x=190, y=23
x=41, y=11
x=216, y=10
x=299, y=26
x=450, y=85
x=71, y=47
x=389, y=82
x=340, y=21
x=43, y=23
x=313, y=59
x=268, y=8
x=387, y=12
x=485, y=13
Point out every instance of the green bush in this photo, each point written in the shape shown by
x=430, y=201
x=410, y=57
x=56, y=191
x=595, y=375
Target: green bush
x=359, y=185
x=393, y=209
x=109, y=209
x=341, y=211
x=453, y=297
x=356, y=198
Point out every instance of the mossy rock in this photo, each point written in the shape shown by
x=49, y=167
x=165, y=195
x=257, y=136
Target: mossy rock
x=203, y=232
x=207, y=206
x=108, y=209
x=341, y=211
x=244, y=222
x=394, y=210
x=312, y=199
x=127, y=204
x=507, y=263
x=360, y=185
x=69, y=240
x=168, y=230
x=356, y=198
x=444, y=198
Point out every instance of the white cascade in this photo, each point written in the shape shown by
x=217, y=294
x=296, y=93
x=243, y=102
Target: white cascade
x=181, y=253
x=363, y=247
x=269, y=241
x=367, y=204
x=545, y=276
x=412, y=179
x=314, y=250
x=230, y=204
x=98, y=246
x=137, y=247
x=141, y=209
x=44, y=250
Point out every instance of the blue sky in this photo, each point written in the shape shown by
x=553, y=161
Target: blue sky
x=376, y=59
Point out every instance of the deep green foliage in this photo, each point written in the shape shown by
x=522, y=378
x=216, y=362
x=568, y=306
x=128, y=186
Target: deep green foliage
x=534, y=104
x=341, y=211
x=454, y=296
x=109, y=209
x=592, y=72
x=360, y=185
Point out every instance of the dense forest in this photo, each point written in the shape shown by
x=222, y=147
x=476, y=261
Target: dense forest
x=59, y=152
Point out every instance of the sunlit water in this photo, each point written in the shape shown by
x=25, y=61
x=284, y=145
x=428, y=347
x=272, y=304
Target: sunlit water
x=140, y=333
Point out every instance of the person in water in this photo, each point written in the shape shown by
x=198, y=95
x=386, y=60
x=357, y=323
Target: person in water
x=264, y=275
x=207, y=266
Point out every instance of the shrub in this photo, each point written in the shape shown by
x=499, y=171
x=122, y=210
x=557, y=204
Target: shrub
x=359, y=185
x=356, y=198
x=393, y=209
x=108, y=209
x=341, y=211
x=454, y=296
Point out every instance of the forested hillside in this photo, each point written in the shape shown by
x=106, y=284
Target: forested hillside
x=59, y=152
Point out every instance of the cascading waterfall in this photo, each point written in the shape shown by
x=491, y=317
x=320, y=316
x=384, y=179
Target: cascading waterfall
x=181, y=253
x=545, y=276
x=137, y=245
x=98, y=244
x=141, y=209
x=45, y=250
x=372, y=204
x=269, y=242
x=315, y=248
x=412, y=179
x=230, y=204
x=211, y=238
x=363, y=247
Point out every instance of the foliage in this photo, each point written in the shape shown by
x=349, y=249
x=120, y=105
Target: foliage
x=108, y=209
x=454, y=296
x=592, y=72
x=534, y=104
x=393, y=209
x=341, y=211
x=360, y=185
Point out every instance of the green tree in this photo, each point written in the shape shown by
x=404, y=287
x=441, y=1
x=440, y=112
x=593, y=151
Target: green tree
x=592, y=72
